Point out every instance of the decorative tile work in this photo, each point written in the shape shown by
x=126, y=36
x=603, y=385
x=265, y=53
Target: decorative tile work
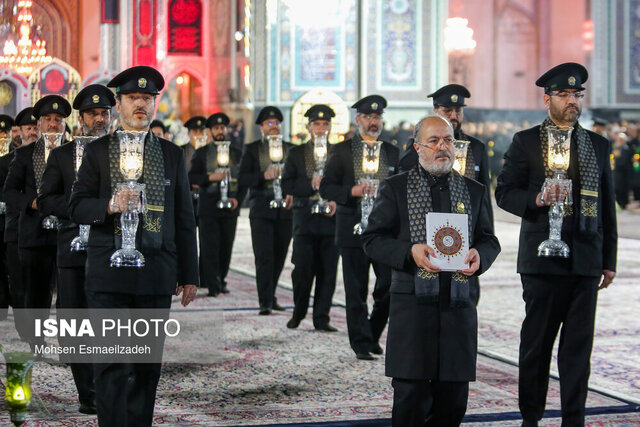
x=632, y=46
x=625, y=32
x=305, y=54
x=398, y=44
x=400, y=57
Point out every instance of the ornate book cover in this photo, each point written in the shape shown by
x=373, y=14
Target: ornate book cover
x=448, y=235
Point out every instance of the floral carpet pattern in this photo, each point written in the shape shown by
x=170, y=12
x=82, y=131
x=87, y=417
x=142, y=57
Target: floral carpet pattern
x=266, y=374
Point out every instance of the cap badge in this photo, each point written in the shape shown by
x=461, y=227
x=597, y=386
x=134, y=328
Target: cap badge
x=374, y=106
x=142, y=82
x=321, y=114
x=219, y=119
x=95, y=99
x=271, y=113
x=55, y=106
x=33, y=117
x=460, y=207
x=199, y=122
x=1, y=124
x=572, y=81
x=454, y=98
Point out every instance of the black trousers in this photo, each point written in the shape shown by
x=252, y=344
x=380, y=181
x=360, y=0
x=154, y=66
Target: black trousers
x=553, y=302
x=38, y=267
x=126, y=392
x=17, y=289
x=314, y=256
x=364, y=331
x=5, y=291
x=423, y=403
x=71, y=295
x=270, y=239
x=38, y=275
x=216, y=243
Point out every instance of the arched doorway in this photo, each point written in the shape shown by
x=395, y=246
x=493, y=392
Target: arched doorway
x=339, y=124
x=14, y=92
x=56, y=78
x=182, y=98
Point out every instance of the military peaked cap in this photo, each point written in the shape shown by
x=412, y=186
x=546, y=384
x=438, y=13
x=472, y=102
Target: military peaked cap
x=51, y=104
x=141, y=79
x=569, y=75
x=218, y=119
x=94, y=96
x=320, y=112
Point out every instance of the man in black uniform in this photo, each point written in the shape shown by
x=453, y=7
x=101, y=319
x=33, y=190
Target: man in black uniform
x=158, y=128
x=432, y=339
x=560, y=291
x=125, y=393
x=24, y=121
x=448, y=102
x=37, y=246
x=270, y=227
x=197, y=138
x=314, y=251
x=340, y=184
x=94, y=104
x=216, y=226
x=6, y=124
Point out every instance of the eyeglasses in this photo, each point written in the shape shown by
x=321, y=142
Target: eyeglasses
x=272, y=123
x=566, y=95
x=434, y=142
x=375, y=117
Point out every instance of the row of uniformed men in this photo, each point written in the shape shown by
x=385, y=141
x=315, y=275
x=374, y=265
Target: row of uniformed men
x=39, y=184
x=318, y=239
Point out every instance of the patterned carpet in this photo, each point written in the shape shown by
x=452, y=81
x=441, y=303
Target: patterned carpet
x=266, y=374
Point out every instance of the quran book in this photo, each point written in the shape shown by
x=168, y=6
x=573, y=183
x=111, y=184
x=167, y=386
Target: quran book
x=448, y=235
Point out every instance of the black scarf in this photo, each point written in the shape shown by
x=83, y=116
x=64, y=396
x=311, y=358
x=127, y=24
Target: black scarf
x=39, y=162
x=419, y=203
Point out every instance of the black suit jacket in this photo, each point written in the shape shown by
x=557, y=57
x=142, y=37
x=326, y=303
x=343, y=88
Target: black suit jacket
x=8, y=221
x=336, y=185
x=19, y=192
x=260, y=190
x=175, y=263
x=519, y=183
x=53, y=199
x=296, y=182
x=426, y=341
x=209, y=192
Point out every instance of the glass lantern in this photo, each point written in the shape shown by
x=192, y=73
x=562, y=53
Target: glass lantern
x=320, y=150
x=51, y=140
x=5, y=144
x=18, y=385
x=370, y=165
x=460, y=148
x=79, y=243
x=558, y=158
x=131, y=166
x=276, y=154
x=223, y=158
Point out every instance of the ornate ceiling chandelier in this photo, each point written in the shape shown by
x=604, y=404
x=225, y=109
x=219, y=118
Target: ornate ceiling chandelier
x=28, y=54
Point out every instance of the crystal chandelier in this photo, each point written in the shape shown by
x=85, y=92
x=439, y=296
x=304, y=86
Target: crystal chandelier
x=28, y=54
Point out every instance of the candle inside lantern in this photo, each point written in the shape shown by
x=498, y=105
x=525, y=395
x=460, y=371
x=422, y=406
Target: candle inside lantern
x=223, y=158
x=130, y=165
x=275, y=153
x=370, y=165
x=320, y=152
